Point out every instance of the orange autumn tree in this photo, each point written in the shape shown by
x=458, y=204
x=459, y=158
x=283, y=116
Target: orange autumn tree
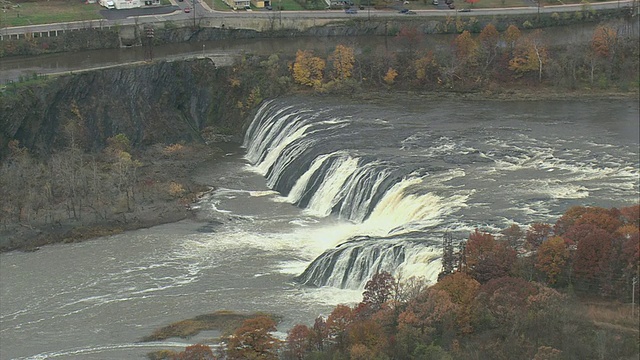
x=390, y=77
x=342, y=60
x=488, y=41
x=466, y=48
x=511, y=36
x=253, y=340
x=604, y=42
x=430, y=311
x=462, y=290
x=551, y=258
x=308, y=70
x=426, y=68
x=530, y=56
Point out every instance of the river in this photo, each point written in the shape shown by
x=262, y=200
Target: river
x=223, y=52
x=392, y=177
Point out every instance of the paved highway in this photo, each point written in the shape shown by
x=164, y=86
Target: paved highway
x=176, y=12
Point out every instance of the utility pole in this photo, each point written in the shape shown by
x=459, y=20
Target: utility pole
x=150, y=33
x=194, y=14
x=634, y=282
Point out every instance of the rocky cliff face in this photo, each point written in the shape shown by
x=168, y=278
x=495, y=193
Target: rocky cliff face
x=154, y=103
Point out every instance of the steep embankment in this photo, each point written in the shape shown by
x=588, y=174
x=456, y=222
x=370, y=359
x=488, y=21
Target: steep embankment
x=57, y=183
x=156, y=103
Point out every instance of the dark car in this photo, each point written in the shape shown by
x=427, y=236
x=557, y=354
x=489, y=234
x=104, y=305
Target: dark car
x=451, y=6
x=410, y=13
x=268, y=7
x=403, y=11
x=351, y=11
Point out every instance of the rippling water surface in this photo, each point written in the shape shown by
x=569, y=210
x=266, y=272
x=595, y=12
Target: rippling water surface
x=480, y=164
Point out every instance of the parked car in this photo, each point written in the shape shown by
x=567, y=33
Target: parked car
x=268, y=7
x=410, y=12
x=464, y=10
x=351, y=11
x=451, y=6
x=403, y=11
x=434, y=2
x=187, y=9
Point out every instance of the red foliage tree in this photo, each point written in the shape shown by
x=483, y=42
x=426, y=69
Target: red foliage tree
x=592, y=258
x=378, y=290
x=429, y=311
x=504, y=299
x=487, y=258
x=631, y=215
x=253, y=340
x=320, y=333
x=298, y=342
x=196, y=352
x=537, y=233
x=340, y=318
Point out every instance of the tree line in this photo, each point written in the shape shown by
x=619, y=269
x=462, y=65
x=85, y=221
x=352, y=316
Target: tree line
x=478, y=62
x=513, y=295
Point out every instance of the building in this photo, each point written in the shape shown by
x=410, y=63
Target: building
x=127, y=4
x=239, y=4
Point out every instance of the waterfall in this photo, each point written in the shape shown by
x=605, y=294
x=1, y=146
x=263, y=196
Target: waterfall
x=352, y=264
x=320, y=161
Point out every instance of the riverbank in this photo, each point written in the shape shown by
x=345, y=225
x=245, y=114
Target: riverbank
x=158, y=207
x=155, y=206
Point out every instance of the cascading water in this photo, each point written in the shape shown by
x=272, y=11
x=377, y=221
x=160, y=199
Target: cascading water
x=309, y=157
x=402, y=179
x=394, y=176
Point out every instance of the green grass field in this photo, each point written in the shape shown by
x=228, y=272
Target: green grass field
x=33, y=13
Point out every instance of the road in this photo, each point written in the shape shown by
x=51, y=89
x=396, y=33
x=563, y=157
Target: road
x=176, y=12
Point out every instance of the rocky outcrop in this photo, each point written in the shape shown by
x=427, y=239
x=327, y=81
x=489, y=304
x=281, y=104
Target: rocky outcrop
x=161, y=102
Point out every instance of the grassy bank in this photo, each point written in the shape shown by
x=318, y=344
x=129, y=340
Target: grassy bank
x=223, y=321
x=48, y=12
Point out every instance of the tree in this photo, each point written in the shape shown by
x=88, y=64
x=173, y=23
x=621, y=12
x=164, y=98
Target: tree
x=429, y=311
x=567, y=219
x=631, y=215
x=409, y=39
x=504, y=300
x=342, y=60
x=298, y=342
x=378, y=290
x=487, y=258
x=448, y=257
x=488, y=44
x=319, y=334
x=124, y=168
x=308, y=69
x=551, y=258
x=426, y=68
x=196, y=352
x=512, y=235
x=511, y=37
x=462, y=290
x=368, y=333
x=465, y=48
x=340, y=318
x=537, y=233
x=592, y=256
x=390, y=77
x=253, y=340
x=530, y=56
